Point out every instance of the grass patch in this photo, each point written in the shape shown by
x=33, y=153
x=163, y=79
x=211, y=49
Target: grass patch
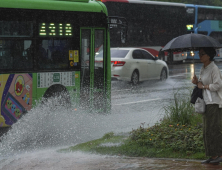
x=101, y=145
x=127, y=147
x=178, y=135
x=181, y=141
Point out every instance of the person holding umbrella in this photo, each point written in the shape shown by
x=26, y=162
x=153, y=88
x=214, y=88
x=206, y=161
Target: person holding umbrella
x=211, y=83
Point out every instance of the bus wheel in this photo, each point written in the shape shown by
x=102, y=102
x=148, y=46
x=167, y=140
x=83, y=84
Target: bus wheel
x=163, y=74
x=58, y=95
x=135, y=77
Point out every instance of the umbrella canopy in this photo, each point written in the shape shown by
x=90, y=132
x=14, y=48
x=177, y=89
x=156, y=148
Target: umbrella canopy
x=191, y=42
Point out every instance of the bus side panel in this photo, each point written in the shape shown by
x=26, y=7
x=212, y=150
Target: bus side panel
x=74, y=91
x=34, y=91
x=15, y=97
x=69, y=79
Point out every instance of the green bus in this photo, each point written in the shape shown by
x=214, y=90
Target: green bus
x=48, y=47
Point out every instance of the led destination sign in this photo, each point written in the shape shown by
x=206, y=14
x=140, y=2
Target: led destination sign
x=55, y=29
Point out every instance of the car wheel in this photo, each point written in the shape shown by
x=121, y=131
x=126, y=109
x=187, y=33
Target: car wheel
x=163, y=74
x=135, y=77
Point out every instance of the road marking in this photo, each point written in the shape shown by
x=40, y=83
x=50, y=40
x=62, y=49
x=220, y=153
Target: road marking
x=121, y=90
x=142, y=101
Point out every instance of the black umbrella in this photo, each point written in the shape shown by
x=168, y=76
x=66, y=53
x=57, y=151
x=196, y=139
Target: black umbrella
x=191, y=42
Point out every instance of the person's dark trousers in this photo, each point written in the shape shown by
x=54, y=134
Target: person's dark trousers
x=212, y=130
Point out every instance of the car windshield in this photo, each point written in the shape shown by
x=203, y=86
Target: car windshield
x=119, y=53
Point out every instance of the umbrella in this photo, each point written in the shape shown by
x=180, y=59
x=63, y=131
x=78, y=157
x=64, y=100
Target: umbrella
x=191, y=42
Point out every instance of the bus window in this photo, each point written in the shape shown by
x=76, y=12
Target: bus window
x=209, y=14
x=151, y=26
x=98, y=93
x=85, y=67
x=218, y=15
x=85, y=56
x=53, y=53
x=14, y=54
x=217, y=35
x=190, y=14
x=16, y=29
x=15, y=40
x=201, y=14
x=98, y=67
x=203, y=32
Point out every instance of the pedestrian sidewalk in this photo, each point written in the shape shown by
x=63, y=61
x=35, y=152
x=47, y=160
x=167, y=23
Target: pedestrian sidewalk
x=53, y=160
x=127, y=163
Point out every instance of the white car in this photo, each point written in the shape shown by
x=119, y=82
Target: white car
x=136, y=64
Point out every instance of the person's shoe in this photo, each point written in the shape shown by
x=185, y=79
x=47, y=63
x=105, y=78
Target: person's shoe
x=207, y=161
x=216, y=161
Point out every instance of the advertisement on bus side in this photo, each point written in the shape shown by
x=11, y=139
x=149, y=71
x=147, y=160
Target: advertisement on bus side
x=15, y=97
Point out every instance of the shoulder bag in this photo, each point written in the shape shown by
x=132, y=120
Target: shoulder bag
x=197, y=99
x=200, y=106
x=195, y=94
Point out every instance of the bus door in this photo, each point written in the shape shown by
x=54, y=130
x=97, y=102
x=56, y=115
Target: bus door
x=92, y=68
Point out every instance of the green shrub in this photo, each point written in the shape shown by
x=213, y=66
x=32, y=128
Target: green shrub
x=177, y=137
x=108, y=135
x=180, y=129
x=180, y=111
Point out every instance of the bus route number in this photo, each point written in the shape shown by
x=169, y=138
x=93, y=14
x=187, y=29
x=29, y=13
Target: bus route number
x=55, y=29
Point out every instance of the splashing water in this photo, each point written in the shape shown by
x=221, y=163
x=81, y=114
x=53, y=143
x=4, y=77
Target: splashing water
x=46, y=125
